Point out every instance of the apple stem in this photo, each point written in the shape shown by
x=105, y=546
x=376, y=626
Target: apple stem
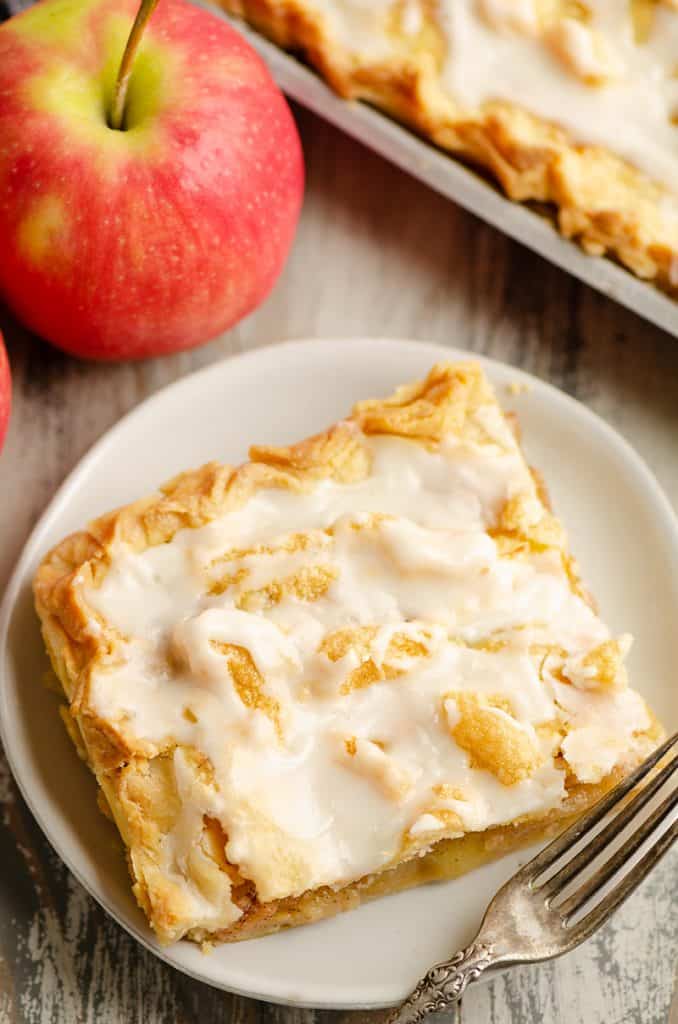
x=117, y=115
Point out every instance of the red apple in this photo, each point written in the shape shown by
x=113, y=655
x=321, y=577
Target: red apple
x=5, y=392
x=120, y=244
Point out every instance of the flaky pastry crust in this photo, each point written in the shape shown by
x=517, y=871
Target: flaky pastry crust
x=600, y=200
x=137, y=784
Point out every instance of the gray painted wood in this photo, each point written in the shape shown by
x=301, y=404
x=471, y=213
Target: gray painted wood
x=376, y=254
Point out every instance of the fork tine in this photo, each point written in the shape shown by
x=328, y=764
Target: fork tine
x=620, y=857
x=557, y=882
x=631, y=881
x=570, y=836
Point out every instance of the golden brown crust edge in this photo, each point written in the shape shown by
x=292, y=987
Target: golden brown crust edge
x=601, y=200
x=448, y=859
x=425, y=410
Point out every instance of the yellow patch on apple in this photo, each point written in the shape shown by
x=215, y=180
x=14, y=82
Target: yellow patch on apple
x=58, y=24
x=44, y=226
x=82, y=99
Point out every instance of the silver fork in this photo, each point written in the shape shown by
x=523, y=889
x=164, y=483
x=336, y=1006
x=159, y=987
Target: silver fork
x=527, y=922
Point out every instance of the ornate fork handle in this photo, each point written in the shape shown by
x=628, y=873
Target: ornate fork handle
x=444, y=984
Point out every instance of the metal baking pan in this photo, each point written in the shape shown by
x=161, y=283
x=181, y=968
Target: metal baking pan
x=456, y=181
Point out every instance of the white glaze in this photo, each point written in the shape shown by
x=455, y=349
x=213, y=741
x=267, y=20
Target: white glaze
x=593, y=78
x=298, y=808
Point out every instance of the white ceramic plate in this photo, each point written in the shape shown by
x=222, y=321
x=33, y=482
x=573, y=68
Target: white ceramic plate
x=622, y=529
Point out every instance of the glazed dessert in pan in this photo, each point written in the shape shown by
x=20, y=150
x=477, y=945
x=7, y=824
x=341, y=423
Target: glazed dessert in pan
x=570, y=103
x=351, y=665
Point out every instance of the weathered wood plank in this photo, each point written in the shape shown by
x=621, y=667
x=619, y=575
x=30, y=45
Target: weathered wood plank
x=377, y=254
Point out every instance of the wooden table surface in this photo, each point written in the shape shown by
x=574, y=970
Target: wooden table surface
x=376, y=254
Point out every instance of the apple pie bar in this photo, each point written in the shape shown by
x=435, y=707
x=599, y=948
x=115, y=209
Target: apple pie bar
x=351, y=665
x=569, y=103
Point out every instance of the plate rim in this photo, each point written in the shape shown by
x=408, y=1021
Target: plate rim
x=18, y=577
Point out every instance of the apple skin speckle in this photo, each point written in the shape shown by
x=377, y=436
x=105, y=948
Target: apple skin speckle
x=128, y=244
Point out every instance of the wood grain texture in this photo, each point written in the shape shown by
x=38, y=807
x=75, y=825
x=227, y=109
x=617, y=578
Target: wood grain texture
x=376, y=254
